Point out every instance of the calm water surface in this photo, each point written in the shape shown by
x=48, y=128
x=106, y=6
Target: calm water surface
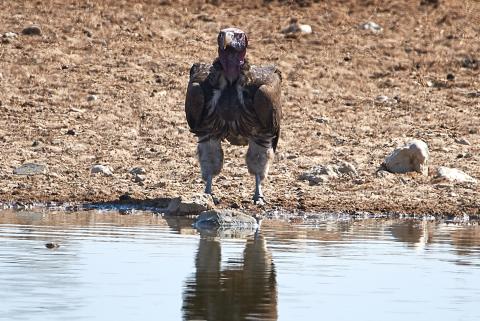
x=145, y=267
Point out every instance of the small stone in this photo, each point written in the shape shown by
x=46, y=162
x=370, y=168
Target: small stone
x=30, y=169
x=101, y=169
x=10, y=35
x=322, y=120
x=225, y=219
x=462, y=141
x=450, y=77
x=470, y=63
x=138, y=171
x=346, y=168
x=91, y=98
x=88, y=33
x=296, y=27
x=198, y=203
x=139, y=178
x=324, y=173
x=370, y=25
x=453, y=175
x=32, y=30
x=52, y=245
x=413, y=157
x=474, y=94
x=381, y=99
x=71, y=132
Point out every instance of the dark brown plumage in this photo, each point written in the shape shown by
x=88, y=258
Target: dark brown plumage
x=242, y=107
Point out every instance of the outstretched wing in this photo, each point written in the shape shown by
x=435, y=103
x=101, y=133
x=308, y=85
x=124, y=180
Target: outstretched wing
x=196, y=96
x=267, y=101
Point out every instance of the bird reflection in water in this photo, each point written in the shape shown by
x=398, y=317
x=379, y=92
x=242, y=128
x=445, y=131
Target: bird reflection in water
x=245, y=290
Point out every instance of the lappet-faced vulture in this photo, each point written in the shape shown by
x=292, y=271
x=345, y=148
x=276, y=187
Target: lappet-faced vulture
x=230, y=99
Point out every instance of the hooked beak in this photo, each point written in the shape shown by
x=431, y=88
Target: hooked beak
x=227, y=40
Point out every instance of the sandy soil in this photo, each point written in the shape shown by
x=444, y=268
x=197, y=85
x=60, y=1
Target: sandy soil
x=135, y=58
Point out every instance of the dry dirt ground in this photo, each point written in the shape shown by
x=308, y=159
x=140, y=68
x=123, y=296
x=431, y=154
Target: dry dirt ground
x=135, y=56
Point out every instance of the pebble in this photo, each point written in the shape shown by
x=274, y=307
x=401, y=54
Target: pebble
x=30, y=169
x=91, y=98
x=296, y=27
x=462, y=141
x=370, y=25
x=324, y=173
x=32, y=30
x=412, y=157
x=453, y=175
x=474, y=94
x=138, y=171
x=102, y=169
x=139, y=178
x=10, y=35
x=52, y=245
x=322, y=120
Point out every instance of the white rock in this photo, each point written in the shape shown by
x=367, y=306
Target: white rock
x=370, y=25
x=381, y=99
x=413, y=157
x=10, y=35
x=453, y=175
x=101, y=169
x=305, y=29
x=323, y=173
x=295, y=27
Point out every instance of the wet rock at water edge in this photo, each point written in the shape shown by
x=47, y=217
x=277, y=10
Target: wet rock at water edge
x=198, y=203
x=453, y=175
x=101, y=169
x=225, y=219
x=324, y=173
x=413, y=157
x=30, y=169
x=32, y=30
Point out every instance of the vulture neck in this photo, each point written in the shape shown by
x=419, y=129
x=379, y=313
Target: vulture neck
x=240, y=79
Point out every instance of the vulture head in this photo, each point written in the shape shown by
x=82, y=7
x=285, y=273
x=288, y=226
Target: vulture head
x=232, y=47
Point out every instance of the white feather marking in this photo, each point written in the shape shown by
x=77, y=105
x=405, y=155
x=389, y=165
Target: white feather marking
x=214, y=101
x=240, y=95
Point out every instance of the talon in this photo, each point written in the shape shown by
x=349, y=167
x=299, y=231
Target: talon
x=259, y=200
x=216, y=200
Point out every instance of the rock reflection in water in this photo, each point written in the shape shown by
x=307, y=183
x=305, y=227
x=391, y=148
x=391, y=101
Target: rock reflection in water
x=239, y=292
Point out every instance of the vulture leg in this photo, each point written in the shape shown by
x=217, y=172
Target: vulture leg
x=258, y=162
x=210, y=155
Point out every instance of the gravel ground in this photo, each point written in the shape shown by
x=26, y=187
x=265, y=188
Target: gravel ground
x=103, y=83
